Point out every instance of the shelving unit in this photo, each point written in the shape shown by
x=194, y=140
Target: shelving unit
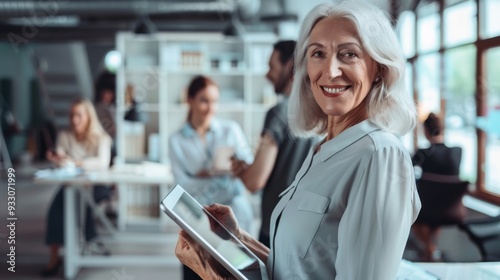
x=160, y=67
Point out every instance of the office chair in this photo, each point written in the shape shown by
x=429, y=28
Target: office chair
x=441, y=198
x=485, y=234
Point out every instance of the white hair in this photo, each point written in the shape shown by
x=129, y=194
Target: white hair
x=389, y=105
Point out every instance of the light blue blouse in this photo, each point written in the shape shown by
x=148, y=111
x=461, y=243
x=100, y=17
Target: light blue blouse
x=190, y=155
x=349, y=211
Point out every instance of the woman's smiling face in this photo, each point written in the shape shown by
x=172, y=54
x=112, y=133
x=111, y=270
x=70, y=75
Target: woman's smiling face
x=340, y=71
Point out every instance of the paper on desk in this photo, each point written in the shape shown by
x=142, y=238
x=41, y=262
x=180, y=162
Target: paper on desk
x=145, y=168
x=65, y=172
x=410, y=271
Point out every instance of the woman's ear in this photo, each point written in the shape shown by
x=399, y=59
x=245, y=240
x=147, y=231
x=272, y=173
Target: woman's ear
x=381, y=72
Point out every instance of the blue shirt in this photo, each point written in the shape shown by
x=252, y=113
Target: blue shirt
x=189, y=154
x=348, y=213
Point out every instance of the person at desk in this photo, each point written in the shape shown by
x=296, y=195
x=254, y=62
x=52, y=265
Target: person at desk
x=348, y=213
x=86, y=145
x=280, y=154
x=436, y=161
x=438, y=158
x=192, y=151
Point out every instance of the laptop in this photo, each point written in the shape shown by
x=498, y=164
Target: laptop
x=228, y=250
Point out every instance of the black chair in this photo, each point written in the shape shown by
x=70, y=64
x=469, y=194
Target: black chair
x=485, y=234
x=441, y=198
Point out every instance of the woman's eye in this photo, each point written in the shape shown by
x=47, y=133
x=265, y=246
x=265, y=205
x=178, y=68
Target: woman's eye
x=317, y=54
x=349, y=55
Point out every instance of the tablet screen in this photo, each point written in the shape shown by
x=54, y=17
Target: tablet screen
x=223, y=242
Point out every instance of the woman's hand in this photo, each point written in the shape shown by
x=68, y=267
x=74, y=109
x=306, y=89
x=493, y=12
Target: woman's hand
x=225, y=216
x=238, y=166
x=56, y=157
x=190, y=253
x=203, y=174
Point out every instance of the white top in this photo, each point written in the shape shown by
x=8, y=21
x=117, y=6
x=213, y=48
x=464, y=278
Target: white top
x=190, y=155
x=349, y=211
x=94, y=156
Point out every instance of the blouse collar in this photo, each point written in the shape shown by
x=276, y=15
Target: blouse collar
x=188, y=130
x=346, y=138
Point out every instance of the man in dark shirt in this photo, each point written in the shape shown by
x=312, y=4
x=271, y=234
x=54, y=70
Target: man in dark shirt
x=280, y=154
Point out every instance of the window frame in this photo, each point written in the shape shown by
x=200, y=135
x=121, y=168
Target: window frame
x=481, y=97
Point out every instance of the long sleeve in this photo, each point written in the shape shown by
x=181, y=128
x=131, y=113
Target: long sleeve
x=374, y=229
x=62, y=145
x=242, y=149
x=95, y=158
x=206, y=190
x=101, y=161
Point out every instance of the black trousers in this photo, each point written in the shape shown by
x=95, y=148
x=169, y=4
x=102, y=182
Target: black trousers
x=264, y=239
x=188, y=274
x=55, y=218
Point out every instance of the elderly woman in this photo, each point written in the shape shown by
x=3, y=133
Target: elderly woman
x=349, y=211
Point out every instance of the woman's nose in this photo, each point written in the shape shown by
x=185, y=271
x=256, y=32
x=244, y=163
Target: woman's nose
x=333, y=68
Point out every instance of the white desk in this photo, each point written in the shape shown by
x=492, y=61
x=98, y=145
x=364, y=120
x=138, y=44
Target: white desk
x=141, y=175
x=464, y=271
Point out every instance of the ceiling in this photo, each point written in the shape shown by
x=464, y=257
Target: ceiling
x=94, y=20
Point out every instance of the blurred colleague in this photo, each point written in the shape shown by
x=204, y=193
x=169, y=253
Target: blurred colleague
x=280, y=154
x=438, y=162
x=105, y=107
x=86, y=145
x=193, y=148
x=438, y=158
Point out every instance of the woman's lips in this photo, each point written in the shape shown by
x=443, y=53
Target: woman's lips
x=334, y=91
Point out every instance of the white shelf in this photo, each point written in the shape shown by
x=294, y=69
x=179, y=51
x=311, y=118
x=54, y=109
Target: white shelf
x=222, y=107
x=143, y=70
x=167, y=53
x=160, y=66
x=236, y=72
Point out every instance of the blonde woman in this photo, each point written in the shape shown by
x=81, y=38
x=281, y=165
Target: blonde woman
x=85, y=145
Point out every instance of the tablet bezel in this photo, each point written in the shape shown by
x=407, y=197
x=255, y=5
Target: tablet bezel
x=171, y=200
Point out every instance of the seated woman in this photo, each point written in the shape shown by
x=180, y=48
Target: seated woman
x=192, y=150
x=437, y=161
x=87, y=146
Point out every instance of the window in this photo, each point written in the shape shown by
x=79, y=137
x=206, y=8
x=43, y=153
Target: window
x=408, y=138
x=460, y=24
x=429, y=98
x=406, y=32
x=491, y=122
x=460, y=108
x=428, y=33
x=451, y=81
x=491, y=20
x=428, y=26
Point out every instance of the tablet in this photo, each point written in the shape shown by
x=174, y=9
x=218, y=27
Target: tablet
x=223, y=245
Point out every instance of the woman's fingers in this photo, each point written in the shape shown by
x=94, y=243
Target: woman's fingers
x=237, y=167
x=187, y=238
x=218, y=209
